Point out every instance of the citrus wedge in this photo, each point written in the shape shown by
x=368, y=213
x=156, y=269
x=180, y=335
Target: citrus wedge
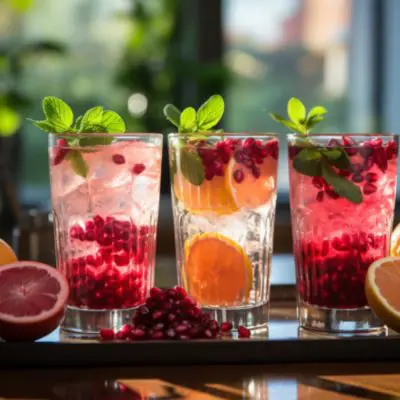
x=382, y=290
x=7, y=254
x=395, y=242
x=211, y=196
x=217, y=271
x=251, y=192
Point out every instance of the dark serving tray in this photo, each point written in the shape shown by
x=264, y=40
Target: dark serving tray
x=284, y=344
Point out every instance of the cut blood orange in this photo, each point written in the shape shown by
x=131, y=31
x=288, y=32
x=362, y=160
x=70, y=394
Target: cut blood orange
x=211, y=196
x=382, y=290
x=32, y=301
x=249, y=191
x=217, y=271
x=7, y=254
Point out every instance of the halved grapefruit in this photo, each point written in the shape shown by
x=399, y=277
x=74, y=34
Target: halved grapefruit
x=382, y=290
x=32, y=300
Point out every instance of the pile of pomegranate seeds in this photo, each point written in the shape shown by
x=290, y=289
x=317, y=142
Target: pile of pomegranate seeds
x=332, y=272
x=171, y=314
x=248, y=152
x=116, y=275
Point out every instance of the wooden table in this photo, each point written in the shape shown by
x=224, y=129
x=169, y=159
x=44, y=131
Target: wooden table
x=284, y=382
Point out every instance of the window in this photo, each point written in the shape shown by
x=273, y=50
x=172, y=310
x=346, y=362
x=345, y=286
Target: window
x=279, y=49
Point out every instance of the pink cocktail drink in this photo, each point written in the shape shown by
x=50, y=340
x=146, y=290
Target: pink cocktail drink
x=336, y=240
x=105, y=227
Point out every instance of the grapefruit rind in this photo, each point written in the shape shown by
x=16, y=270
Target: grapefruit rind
x=384, y=311
x=195, y=239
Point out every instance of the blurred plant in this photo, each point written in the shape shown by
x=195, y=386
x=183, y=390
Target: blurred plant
x=12, y=99
x=155, y=64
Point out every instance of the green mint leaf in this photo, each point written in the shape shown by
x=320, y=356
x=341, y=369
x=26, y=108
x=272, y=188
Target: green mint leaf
x=77, y=123
x=43, y=125
x=58, y=113
x=289, y=124
x=93, y=116
x=210, y=113
x=112, y=122
x=296, y=110
x=318, y=111
x=311, y=122
x=172, y=114
x=95, y=141
x=332, y=154
x=78, y=163
x=191, y=166
x=341, y=185
x=308, y=162
x=337, y=157
x=187, y=122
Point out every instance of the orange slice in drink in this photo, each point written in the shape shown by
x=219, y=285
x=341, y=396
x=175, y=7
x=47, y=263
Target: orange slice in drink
x=382, y=290
x=7, y=254
x=210, y=196
x=395, y=242
x=217, y=270
x=247, y=190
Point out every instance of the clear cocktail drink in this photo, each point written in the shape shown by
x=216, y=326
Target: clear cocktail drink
x=105, y=226
x=224, y=195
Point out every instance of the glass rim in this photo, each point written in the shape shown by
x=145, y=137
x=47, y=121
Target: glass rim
x=105, y=134
x=229, y=134
x=332, y=134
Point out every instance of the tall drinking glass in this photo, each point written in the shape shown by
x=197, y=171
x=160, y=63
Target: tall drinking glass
x=105, y=206
x=335, y=240
x=224, y=196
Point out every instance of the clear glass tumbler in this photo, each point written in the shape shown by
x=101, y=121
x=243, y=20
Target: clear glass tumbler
x=224, y=196
x=335, y=240
x=105, y=202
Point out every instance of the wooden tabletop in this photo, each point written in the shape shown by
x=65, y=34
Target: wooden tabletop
x=272, y=382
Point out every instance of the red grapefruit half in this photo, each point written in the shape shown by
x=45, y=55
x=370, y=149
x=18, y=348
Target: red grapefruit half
x=32, y=300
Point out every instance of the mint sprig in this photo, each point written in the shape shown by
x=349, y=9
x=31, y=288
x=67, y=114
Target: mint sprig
x=198, y=124
x=59, y=119
x=314, y=160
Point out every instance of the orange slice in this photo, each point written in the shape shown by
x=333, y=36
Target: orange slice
x=210, y=196
x=252, y=192
x=7, y=254
x=217, y=270
x=395, y=242
x=382, y=290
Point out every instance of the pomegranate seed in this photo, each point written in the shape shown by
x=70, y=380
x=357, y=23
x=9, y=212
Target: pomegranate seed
x=209, y=174
x=238, y=176
x=256, y=172
x=156, y=293
x=320, y=196
x=90, y=236
x=244, y=332
x=180, y=292
x=357, y=168
x=137, y=334
x=334, y=143
x=118, y=159
x=121, y=259
x=127, y=328
x=332, y=194
x=61, y=151
x=318, y=182
x=226, y=326
x=293, y=151
x=121, y=335
x=138, y=168
x=218, y=168
x=159, y=335
x=170, y=333
x=76, y=232
x=371, y=177
x=357, y=178
x=349, y=145
x=248, y=143
x=106, y=334
x=369, y=188
x=171, y=294
x=366, y=150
